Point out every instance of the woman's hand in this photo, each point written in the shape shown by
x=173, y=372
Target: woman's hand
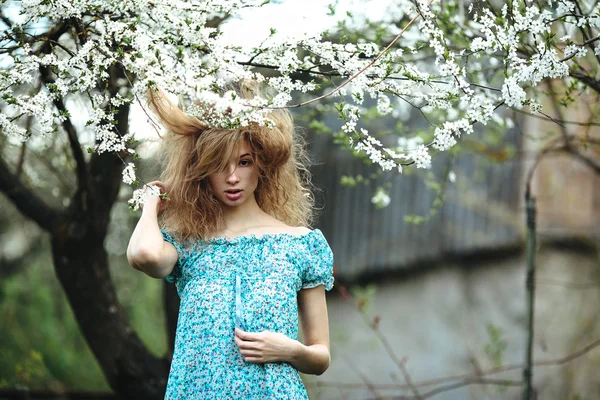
x=266, y=346
x=157, y=202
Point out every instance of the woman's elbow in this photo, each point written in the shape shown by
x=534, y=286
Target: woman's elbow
x=324, y=366
x=142, y=256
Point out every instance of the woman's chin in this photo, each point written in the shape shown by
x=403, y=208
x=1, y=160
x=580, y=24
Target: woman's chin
x=233, y=203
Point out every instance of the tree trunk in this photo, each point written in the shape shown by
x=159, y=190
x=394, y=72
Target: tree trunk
x=171, y=303
x=81, y=265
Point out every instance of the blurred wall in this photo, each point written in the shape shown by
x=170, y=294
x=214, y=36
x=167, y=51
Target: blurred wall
x=440, y=322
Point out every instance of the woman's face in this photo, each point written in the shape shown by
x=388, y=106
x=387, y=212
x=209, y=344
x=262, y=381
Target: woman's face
x=239, y=181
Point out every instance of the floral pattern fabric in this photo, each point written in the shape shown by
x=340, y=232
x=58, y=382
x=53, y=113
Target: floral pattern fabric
x=250, y=282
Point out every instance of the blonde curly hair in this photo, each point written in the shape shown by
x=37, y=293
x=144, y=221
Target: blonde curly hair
x=191, y=151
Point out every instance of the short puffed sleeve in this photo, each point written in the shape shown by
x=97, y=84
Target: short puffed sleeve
x=316, y=261
x=176, y=273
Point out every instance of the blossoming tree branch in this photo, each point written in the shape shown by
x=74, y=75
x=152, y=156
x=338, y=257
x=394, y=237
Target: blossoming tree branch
x=489, y=60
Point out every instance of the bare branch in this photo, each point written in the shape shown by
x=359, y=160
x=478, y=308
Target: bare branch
x=555, y=105
x=408, y=380
x=472, y=381
x=556, y=120
x=567, y=145
x=372, y=388
x=28, y=203
x=588, y=80
x=587, y=160
x=21, y=159
x=469, y=379
x=83, y=176
x=24, y=147
x=6, y=20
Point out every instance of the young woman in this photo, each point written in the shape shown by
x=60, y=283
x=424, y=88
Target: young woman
x=234, y=242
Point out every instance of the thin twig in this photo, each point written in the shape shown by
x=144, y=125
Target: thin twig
x=471, y=378
x=372, y=388
x=474, y=381
x=408, y=380
x=556, y=120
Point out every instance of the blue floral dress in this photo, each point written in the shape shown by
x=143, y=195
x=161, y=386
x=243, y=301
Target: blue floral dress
x=250, y=282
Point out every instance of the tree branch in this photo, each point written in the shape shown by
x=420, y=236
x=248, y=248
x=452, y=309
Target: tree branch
x=83, y=176
x=587, y=42
x=28, y=203
x=334, y=73
x=567, y=145
x=469, y=379
x=347, y=81
x=589, y=161
x=556, y=120
x=372, y=388
x=6, y=20
x=588, y=80
x=409, y=381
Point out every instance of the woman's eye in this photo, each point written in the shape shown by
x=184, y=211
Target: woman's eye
x=244, y=163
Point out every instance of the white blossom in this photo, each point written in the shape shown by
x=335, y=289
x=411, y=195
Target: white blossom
x=421, y=157
x=129, y=174
x=140, y=196
x=383, y=105
x=381, y=199
x=452, y=176
x=577, y=51
x=512, y=93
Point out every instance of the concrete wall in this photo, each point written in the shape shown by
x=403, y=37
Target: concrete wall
x=438, y=320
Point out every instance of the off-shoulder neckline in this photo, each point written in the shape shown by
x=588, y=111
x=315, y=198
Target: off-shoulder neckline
x=252, y=237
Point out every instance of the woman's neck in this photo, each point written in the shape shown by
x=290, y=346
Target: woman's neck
x=238, y=219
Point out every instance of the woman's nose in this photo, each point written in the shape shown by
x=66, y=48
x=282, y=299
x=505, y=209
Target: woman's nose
x=232, y=176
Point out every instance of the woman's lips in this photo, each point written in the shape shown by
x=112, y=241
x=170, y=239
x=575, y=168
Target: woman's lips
x=234, y=195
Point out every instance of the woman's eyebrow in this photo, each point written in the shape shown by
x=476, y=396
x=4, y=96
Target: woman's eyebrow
x=244, y=155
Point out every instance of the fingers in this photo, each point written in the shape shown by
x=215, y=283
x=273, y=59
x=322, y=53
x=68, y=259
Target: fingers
x=162, y=189
x=159, y=184
x=251, y=350
x=247, y=335
x=243, y=344
x=251, y=354
x=254, y=360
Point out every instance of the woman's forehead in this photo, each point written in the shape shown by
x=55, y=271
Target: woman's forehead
x=243, y=147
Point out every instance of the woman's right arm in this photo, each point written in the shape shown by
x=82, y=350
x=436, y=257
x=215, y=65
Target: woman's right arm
x=147, y=250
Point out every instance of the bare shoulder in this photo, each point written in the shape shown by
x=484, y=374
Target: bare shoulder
x=281, y=227
x=301, y=230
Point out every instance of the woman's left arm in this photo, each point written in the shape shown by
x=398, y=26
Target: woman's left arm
x=312, y=357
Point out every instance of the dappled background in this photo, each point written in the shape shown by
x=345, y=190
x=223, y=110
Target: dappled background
x=430, y=297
